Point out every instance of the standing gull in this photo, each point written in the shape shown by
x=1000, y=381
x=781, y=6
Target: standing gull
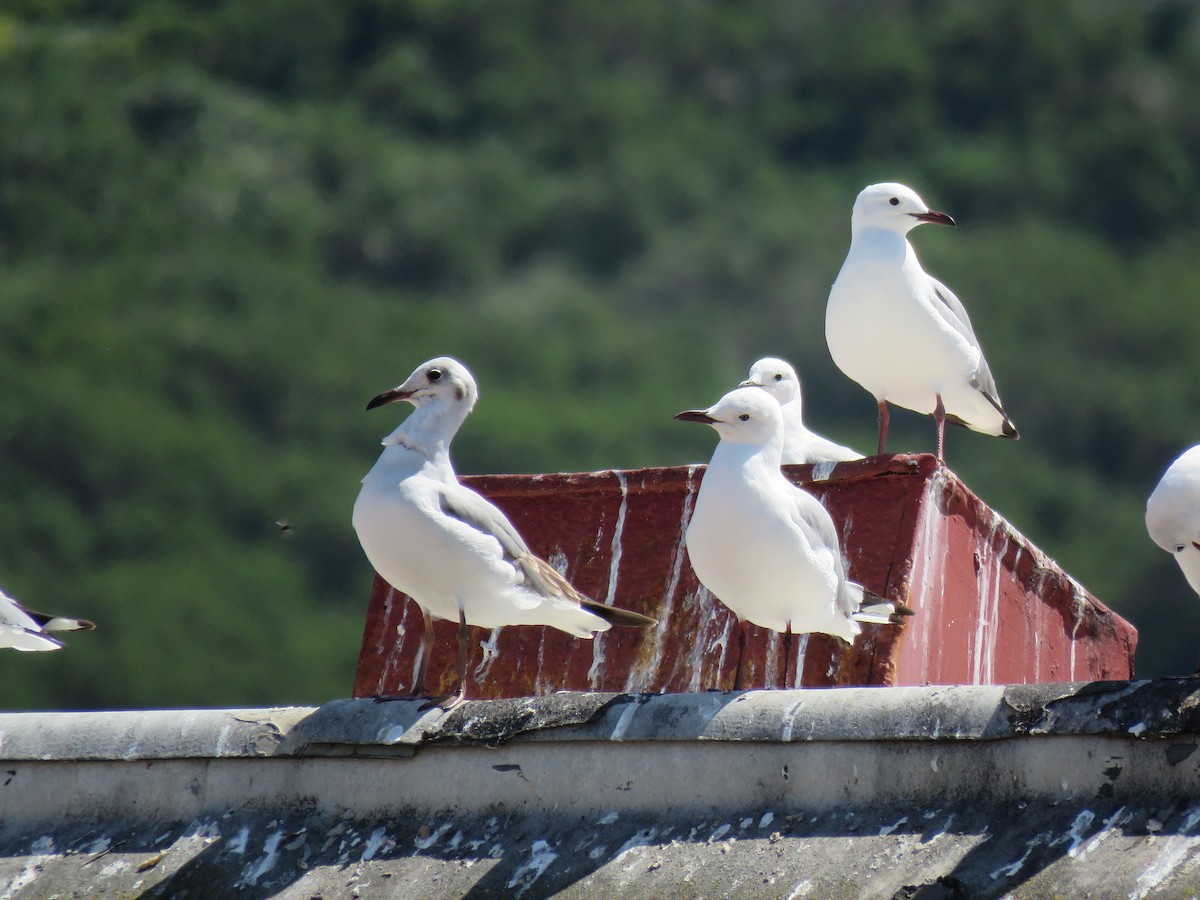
x=447, y=547
x=24, y=629
x=901, y=333
x=1173, y=515
x=800, y=445
x=765, y=548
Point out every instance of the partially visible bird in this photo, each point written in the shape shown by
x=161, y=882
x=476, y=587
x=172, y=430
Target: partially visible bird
x=901, y=333
x=24, y=629
x=800, y=444
x=765, y=548
x=1173, y=514
x=446, y=546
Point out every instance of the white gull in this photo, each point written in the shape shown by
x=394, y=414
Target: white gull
x=800, y=444
x=1173, y=515
x=765, y=548
x=446, y=546
x=901, y=333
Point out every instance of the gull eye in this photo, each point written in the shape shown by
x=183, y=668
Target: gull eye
x=895, y=201
x=434, y=374
x=1180, y=548
x=779, y=376
x=745, y=417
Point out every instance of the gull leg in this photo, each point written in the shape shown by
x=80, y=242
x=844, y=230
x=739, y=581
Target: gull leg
x=883, y=426
x=939, y=416
x=418, y=688
x=738, y=679
x=787, y=655
x=459, y=697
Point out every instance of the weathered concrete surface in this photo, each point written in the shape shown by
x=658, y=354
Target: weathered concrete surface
x=1052, y=790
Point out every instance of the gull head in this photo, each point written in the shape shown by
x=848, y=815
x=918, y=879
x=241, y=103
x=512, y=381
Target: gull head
x=443, y=381
x=776, y=377
x=746, y=415
x=893, y=207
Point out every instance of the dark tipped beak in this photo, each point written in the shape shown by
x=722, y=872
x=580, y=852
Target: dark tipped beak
x=696, y=415
x=389, y=397
x=933, y=217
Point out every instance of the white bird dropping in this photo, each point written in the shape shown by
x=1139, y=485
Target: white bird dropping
x=446, y=546
x=801, y=445
x=1173, y=514
x=899, y=332
x=24, y=629
x=765, y=548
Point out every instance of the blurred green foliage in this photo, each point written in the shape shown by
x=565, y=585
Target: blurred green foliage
x=224, y=226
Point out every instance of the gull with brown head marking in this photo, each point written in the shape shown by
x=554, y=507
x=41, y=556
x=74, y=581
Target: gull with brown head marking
x=448, y=547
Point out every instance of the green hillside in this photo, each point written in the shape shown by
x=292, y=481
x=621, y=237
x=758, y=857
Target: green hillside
x=225, y=226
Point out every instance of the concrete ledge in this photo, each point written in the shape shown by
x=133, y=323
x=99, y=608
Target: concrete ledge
x=1138, y=709
x=146, y=734
x=997, y=791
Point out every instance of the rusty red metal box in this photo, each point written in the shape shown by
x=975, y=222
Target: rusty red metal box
x=990, y=607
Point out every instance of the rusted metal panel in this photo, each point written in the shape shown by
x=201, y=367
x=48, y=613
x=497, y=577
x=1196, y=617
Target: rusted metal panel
x=990, y=607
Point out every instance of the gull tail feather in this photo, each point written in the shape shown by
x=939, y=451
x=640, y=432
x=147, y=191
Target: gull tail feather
x=881, y=611
x=59, y=623
x=546, y=580
x=618, y=616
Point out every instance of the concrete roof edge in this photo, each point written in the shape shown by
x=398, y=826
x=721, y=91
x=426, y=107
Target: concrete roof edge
x=146, y=734
x=1139, y=709
x=936, y=713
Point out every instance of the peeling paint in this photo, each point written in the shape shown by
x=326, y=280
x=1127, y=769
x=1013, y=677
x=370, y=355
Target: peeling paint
x=888, y=829
x=376, y=842
x=267, y=862
x=40, y=851
x=238, y=843
x=622, y=726
x=541, y=855
x=638, y=676
x=823, y=470
x=424, y=843
x=1172, y=856
x=1117, y=820
x=1078, y=831
x=596, y=672
x=1013, y=868
x=491, y=653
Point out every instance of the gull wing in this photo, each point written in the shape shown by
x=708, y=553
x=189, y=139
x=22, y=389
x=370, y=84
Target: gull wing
x=473, y=509
x=952, y=311
x=814, y=521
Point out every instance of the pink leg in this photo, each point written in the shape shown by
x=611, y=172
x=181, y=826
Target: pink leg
x=883, y=426
x=939, y=416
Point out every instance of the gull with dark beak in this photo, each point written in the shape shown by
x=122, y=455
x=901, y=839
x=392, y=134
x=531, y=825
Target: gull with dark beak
x=764, y=547
x=800, y=443
x=446, y=546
